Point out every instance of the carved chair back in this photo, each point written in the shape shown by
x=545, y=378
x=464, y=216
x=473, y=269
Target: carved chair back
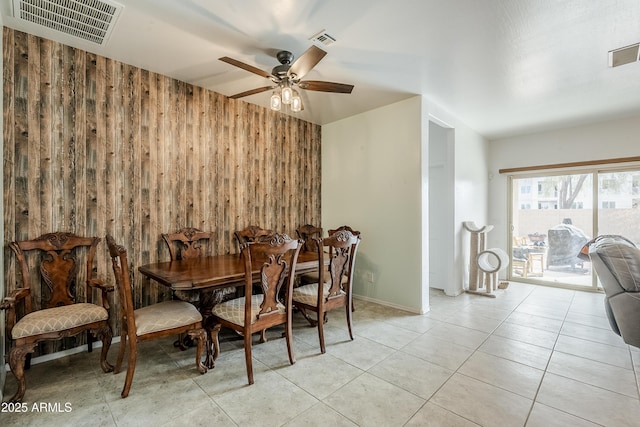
x=342, y=246
x=252, y=233
x=188, y=243
x=275, y=267
x=344, y=227
x=55, y=260
x=309, y=233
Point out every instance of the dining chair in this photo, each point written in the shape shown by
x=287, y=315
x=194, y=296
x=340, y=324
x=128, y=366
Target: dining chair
x=274, y=260
x=189, y=243
x=308, y=233
x=154, y=321
x=184, y=244
x=335, y=292
x=345, y=227
x=312, y=277
x=51, y=280
x=251, y=233
x=355, y=233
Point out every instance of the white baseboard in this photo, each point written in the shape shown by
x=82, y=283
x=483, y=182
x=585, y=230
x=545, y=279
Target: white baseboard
x=386, y=303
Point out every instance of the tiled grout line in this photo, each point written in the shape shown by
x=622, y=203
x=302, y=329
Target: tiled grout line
x=554, y=350
x=534, y=400
x=465, y=360
x=477, y=349
x=544, y=372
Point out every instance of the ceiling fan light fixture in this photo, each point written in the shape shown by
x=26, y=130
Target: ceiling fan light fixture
x=287, y=94
x=287, y=76
x=275, y=102
x=296, y=102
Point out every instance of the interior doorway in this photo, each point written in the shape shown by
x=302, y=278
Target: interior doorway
x=441, y=207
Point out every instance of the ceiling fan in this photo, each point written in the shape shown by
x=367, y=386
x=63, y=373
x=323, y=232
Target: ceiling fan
x=287, y=76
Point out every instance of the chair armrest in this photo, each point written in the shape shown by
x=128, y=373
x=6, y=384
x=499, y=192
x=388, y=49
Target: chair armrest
x=14, y=296
x=99, y=283
x=104, y=288
x=9, y=304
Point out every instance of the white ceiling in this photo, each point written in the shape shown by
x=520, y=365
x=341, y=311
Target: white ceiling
x=503, y=67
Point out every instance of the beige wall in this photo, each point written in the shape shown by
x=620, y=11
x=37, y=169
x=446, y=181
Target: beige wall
x=384, y=191
x=371, y=180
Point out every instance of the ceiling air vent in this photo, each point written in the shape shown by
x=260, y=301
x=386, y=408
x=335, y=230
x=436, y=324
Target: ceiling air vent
x=91, y=20
x=624, y=55
x=323, y=37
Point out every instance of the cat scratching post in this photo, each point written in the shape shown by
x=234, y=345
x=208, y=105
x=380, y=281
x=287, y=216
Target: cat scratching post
x=491, y=262
x=478, y=244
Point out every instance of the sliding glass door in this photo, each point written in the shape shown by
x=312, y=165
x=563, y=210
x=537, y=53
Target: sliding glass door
x=554, y=215
x=619, y=204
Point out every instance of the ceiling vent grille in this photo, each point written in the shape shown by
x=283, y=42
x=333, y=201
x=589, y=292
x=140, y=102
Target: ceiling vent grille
x=624, y=55
x=91, y=20
x=323, y=37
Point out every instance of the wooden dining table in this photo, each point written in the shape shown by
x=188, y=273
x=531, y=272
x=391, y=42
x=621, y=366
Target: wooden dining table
x=210, y=273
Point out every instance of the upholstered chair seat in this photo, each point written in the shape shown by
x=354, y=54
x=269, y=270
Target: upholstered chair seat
x=233, y=310
x=165, y=315
x=308, y=294
x=58, y=319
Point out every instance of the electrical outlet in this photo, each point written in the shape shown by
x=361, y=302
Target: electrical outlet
x=368, y=276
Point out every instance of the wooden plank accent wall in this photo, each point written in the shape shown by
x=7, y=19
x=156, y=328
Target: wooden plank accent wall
x=96, y=147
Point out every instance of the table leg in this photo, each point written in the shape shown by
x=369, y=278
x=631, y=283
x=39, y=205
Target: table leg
x=213, y=345
x=207, y=300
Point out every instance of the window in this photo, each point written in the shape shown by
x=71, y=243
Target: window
x=566, y=212
x=607, y=184
x=547, y=205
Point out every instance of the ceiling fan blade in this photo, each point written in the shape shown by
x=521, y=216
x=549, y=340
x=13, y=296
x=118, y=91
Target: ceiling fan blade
x=251, y=92
x=246, y=67
x=321, y=86
x=306, y=62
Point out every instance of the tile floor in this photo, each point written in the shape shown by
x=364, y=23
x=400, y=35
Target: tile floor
x=534, y=356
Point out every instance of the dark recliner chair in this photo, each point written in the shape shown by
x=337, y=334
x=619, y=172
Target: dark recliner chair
x=617, y=263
